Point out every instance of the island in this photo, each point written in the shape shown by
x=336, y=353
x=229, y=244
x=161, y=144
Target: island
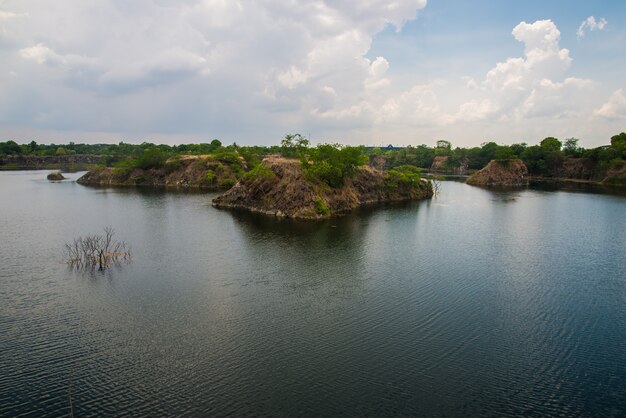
x=288, y=187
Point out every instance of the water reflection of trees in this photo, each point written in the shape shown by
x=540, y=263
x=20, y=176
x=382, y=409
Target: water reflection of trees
x=309, y=254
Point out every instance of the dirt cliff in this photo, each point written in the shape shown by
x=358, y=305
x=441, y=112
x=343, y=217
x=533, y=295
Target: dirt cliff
x=507, y=173
x=443, y=165
x=34, y=162
x=616, y=176
x=284, y=191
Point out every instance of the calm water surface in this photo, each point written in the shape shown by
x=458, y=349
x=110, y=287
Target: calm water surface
x=474, y=303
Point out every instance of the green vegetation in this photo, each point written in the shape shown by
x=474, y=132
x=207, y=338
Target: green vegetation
x=330, y=164
x=293, y=145
x=152, y=157
x=546, y=159
x=210, y=176
x=12, y=148
x=260, y=172
x=321, y=208
x=227, y=183
x=406, y=176
x=146, y=154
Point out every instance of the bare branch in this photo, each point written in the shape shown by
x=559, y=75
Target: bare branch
x=97, y=251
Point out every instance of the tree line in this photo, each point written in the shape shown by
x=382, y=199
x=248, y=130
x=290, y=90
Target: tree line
x=543, y=159
x=332, y=162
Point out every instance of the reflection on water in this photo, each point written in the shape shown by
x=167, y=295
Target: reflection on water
x=477, y=302
x=578, y=187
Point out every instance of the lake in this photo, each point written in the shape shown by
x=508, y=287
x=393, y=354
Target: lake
x=493, y=303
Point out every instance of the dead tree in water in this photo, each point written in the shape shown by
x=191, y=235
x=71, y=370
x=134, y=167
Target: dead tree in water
x=435, y=183
x=97, y=251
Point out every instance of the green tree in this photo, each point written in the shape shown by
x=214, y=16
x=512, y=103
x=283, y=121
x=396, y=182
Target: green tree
x=618, y=143
x=10, y=148
x=504, y=153
x=152, y=157
x=618, y=139
x=215, y=144
x=331, y=163
x=570, y=147
x=518, y=149
x=443, y=148
x=293, y=145
x=551, y=144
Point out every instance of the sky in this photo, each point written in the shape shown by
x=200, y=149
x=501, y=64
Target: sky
x=370, y=72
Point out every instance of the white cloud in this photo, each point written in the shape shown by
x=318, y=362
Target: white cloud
x=40, y=54
x=475, y=110
x=209, y=61
x=252, y=71
x=292, y=77
x=470, y=83
x=614, y=109
x=543, y=58
x=554, y=99
x=4, y=15
x=528, y=86
x=590, y=24
x=416, y=106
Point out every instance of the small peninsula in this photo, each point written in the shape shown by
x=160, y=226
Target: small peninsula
x=284, y=188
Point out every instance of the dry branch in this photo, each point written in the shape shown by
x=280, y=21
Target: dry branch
x=99, y=251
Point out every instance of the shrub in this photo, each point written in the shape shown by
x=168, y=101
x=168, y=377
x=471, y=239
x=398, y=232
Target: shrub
x=330, y=163
x=293, y=145
x=226, y=183
x=504, y=154
x=230, y=158
x=321, y=207
x=152, y=157
x=325, y=172
x=405, y=175
x=210, y=176
x=122, y=169
x=261, y=172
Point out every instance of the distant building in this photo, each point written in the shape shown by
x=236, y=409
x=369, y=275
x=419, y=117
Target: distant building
x=389, y=147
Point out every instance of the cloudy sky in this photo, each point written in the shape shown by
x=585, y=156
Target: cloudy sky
x=356, y=72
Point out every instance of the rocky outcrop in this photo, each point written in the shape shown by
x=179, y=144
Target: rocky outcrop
x=505, y=173
x=586, y=170
x=616, y=176
x=463, y=167
x=439, y=164
x=191, y=171
x=47, y=161
x=442, y=164
x=56, y=176
x=284, y=191
x=378, y=162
